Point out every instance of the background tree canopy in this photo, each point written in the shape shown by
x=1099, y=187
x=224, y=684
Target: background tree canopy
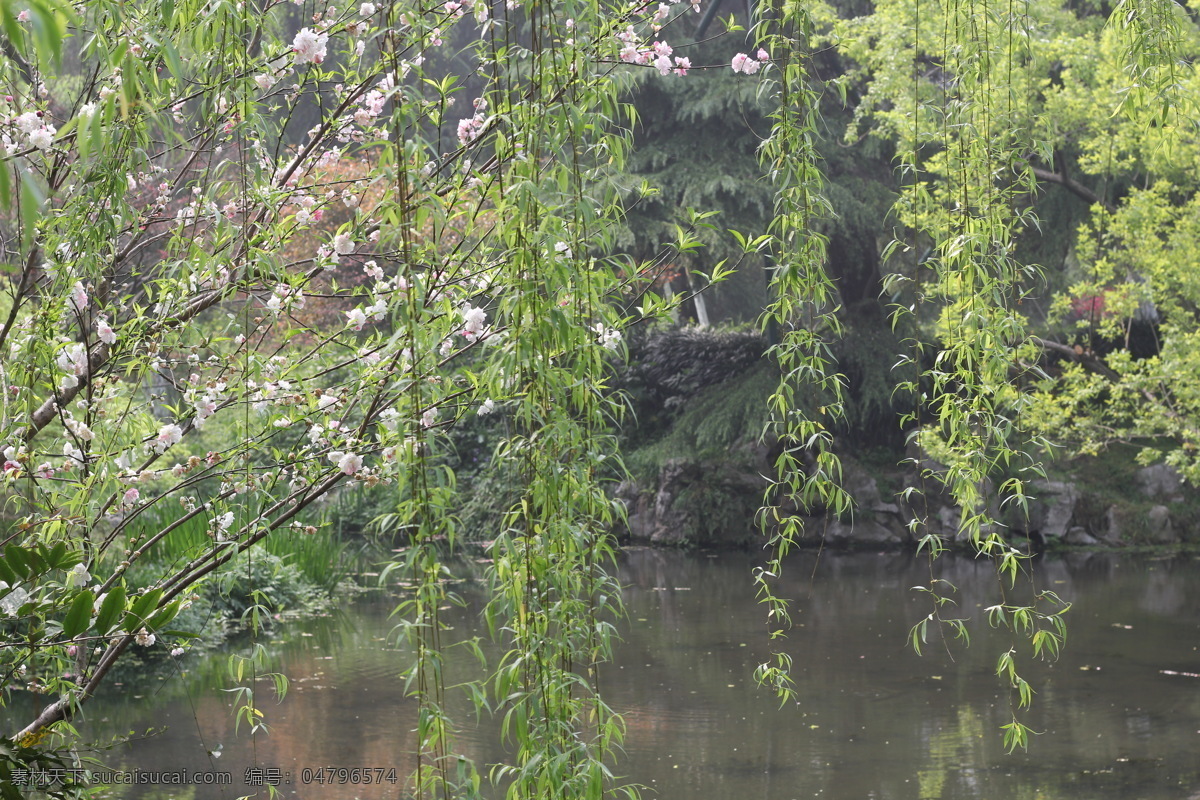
x=259, y=255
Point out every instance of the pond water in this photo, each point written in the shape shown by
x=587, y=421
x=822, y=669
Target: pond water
x=1119, y=713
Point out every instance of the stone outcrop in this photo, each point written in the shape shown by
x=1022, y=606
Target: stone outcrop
x=715, y=503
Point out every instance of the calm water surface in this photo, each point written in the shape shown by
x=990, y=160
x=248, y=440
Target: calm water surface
x=1119, y=712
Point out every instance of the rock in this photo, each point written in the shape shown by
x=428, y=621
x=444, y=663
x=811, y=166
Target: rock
x=860, y=484
x=1080, y=537
x=1111, y=529
x=1051, y=509
x=672, y=524
x=1161, y=529
x=861, y=531
x=1160, y=481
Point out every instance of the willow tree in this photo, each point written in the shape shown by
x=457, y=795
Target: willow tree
x=1098, y=101
x=990, y=105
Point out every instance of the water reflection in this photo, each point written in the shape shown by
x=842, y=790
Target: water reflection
x=876, y=721
x=1120, y=712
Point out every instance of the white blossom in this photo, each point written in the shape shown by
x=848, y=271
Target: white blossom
x=28, y=122
x=610, y=338
x=78, y=576
x=43, y=137
x=78, y=429
x=13, y=600
x=474, y=319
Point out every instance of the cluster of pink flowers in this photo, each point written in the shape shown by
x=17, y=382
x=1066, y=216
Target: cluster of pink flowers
x=73, y=360
x=167, y=435
x=744, y=63
x=309, y=46
x=105, y=331
x=471, y=127
x=347, y=463
x=12, y=464
x=659, y=54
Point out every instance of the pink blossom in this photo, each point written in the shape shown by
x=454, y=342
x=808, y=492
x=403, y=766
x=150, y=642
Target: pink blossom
x=205, y=407
x=105, y=331
x=348, y=463
x=131, y=497
x=744, y=63
x=167, y=436
x=469, y=129
x=79, y=296
x=309, y=46
x=73, y=359
x=682, y=65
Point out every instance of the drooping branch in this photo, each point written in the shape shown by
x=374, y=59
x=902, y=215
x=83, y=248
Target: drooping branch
x=1059, y=175
x=1080, y=355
